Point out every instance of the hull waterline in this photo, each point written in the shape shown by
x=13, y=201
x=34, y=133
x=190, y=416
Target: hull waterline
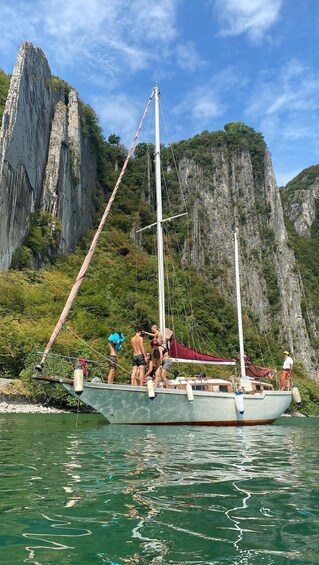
x=126, y=404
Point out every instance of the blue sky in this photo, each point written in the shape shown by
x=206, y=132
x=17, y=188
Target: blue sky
x=216, y=61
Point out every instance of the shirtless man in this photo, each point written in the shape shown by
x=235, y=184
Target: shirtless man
x=138, y=361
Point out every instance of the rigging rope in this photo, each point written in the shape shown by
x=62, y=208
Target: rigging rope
x=89, y=255
x=106, y=357
x=194, y=336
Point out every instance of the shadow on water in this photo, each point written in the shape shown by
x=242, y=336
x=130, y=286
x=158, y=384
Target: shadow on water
x=75, y=490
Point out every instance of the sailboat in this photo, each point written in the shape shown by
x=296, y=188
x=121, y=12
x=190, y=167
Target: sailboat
x=186, y=401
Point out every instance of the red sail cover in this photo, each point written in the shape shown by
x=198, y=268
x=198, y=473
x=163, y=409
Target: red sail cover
x=258, y=372
x=178, y=351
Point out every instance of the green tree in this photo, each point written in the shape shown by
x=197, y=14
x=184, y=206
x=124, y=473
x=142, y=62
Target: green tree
x=4, y=89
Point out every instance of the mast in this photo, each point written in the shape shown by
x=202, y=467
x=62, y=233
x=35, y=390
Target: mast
x=240, y=321
x=159, y=219
x=93, y=245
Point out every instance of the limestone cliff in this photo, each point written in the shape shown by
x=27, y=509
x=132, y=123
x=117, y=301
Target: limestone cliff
x=302, y=199
x=45, y=161
x=224, y=194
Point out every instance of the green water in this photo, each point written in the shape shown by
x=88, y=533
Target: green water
x=79, y=491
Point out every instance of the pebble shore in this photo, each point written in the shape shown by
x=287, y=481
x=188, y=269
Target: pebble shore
x=13, y=403
x=14, y=407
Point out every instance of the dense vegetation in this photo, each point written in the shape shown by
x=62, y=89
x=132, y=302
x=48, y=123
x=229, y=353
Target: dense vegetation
x=236, y=136
x=304, y=180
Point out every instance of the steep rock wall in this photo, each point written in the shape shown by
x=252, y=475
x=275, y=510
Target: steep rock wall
x=301, y=205
x=226, y=196
x=42, y=152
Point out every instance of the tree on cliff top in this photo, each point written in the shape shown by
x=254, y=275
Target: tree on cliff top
x=4, y=89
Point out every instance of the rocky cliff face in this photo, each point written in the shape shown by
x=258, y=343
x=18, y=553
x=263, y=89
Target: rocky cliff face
x=227, y=195
x=45, y=161
x=302, y=200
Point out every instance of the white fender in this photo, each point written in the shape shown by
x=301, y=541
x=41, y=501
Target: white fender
x=296, y=394
x=150, y=389
x=189, y=392
x=78, y=380
x=240, y=404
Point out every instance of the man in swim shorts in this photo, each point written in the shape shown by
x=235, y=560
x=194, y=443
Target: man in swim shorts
x=138, y=360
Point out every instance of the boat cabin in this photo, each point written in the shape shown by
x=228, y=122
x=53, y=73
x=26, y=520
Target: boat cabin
x=251, y=386
x=205, y=384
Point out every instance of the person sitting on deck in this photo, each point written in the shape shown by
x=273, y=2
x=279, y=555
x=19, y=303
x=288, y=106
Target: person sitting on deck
x=148, y=369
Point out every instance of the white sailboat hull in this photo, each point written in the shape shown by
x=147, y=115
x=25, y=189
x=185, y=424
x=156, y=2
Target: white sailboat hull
x=126, y=404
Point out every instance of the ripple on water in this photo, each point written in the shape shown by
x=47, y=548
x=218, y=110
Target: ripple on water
x=119, y=494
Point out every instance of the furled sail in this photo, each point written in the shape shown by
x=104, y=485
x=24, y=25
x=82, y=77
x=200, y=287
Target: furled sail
x=182, y=354
x=258, y=372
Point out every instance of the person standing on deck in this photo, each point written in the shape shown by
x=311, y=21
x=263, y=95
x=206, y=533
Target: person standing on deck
x=164, y=366
x=138, y=360
x=115, y=344
x=112, y=363
x=156, y=335
x=286, y=372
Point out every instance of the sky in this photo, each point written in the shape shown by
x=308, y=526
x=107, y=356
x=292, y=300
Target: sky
x=216, y=61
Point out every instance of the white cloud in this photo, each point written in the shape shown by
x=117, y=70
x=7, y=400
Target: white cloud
x=154, y=20
x=205, y=102
x=116, y=37
x=187, y=57
x=118, y=114
x=253, y=17
x=200, y=105
x=283, y=105
x=205, y=107
x=293, y=89
x=297, y=131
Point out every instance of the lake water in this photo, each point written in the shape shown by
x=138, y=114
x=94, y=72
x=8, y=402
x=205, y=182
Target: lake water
x=75, y=490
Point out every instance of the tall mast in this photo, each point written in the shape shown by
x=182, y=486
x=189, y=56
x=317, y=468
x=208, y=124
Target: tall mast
x=93, y=245
x=240, y=321
x=159, y=218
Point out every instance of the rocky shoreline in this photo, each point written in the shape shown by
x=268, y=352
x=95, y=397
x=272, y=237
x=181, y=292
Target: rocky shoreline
x=23, y=406
x=11, y=402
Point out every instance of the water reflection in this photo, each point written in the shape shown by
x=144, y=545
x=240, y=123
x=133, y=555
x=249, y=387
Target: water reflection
x=103, y=494
x=48, y=538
